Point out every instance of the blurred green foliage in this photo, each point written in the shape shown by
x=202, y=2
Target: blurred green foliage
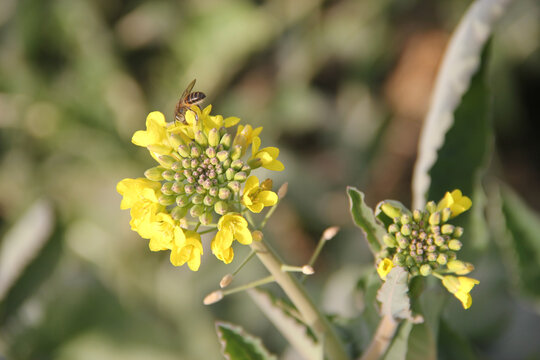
x=340, y=86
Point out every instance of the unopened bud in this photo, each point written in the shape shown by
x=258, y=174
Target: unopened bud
x=389, y=240
x=166, y=161
x=283, y=190
x=425, y=270
x=213, y=297
x=222, y=155
x=227, y=279
x=213, y=137
x=237, y=164
x=221, y=207
x=226, y=141
x=210, y=152
x=236, y=152
x=447, y=229
x=393, y=228
x=442, y=259
x=405, y=219
x=179, y=212
x=445, y=214
x=166, y=188
x=154, y=173
x=224, y=193
x=229, y=174
x=166, y=200
x=417, y=215
x=390, y=211
x=406, y=229
x=197, y=199
x=234, y=186
x=168, y=175
x=182, y=200
x=195, y=152
x=200, y=138
x=431, y=207
x=308, y=270
x=330, y=232
x=435, y=218
x=240, y=176
x=206, y=218
x=183, y=150
x=455, y=245
x=458, y=232
x=209, y=200
x=196, y=210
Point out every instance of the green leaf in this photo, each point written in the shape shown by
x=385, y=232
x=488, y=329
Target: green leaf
x=365, y=219
x=523, y=227
x=422, y=344
x=393, y=295
x=289, y=325
x=462, y=158
x=236, y=344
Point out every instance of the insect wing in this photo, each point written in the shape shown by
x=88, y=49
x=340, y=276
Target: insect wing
x=188, y=89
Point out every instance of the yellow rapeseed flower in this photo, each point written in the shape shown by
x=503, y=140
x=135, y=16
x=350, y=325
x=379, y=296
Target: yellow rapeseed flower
x=187, y=248
x=245, y=135
x=456, y=202
x=256, y=197
x=230, y=227
x=266, y=156
x=460, y=287
x=155, y=137
x=384, y=268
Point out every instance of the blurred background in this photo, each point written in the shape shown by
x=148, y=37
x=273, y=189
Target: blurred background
x=341, y=87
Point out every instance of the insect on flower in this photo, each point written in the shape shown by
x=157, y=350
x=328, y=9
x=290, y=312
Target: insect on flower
x=187, y=99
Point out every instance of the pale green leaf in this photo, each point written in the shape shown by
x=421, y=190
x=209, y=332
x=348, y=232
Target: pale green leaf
x=365, y=219
x=393, y=295
x=236, y=344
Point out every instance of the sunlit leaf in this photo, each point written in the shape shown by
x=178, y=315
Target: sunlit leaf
x=365, y=219
x=236, y=344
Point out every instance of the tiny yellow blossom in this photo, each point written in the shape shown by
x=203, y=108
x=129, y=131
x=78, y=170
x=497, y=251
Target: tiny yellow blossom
x=267, y=156
x=163, y=232
x=460, y=287
x=384, y=268
x=245, y=135
x=155, y=137
x=187, y=248
x=230, y=227
x=256, y=197
x=456, y=202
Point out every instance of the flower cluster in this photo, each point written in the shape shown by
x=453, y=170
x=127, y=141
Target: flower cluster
x=424, y=243
x=203, y=172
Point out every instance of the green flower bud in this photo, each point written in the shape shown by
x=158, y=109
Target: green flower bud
x=189, y=189
x=435, y=218
x=236, y=152
x=390, y=211
x=431, y=257
x=166, y=188
x=221, y=179
x=454, y=244
x=431, y=207
x=234, y=186
x=229, y=174
x=425, y=270
x=197, y=199
x=222, y=155
x=195, y=151
x=393, y=228
x=206, y=218
x=179, y=212
x=445, y=214
x=439, y=240
x=458, y=232
x=209, y=200
x=399, y=259
x=406, y=229
x=167, y=200
x=213, y=191
x=414, y=271
x=237, y=164
x=182, y=200
x=224, y=193
x=196, y=210
x=405, y=219
x=442, y=259
x=168, y=175
x=183, y=150
x=200, y=189
x=166, y=161
x=154, y=173
x=389, y=241
x=447, y=229
x=409, y=261
x=417, y=215
x=177, y=166
x=210, y=152
x=200, y=138
x=241, y=176
x=221, y=207
x=226, y=141
x=213, y=137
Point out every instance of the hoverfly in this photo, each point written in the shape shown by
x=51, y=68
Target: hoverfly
x=187, y=99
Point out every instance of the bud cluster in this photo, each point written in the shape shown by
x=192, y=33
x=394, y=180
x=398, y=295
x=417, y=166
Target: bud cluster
x=202, y=176
x=422, y=241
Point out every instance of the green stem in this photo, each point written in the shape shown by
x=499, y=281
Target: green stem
x=311, y=315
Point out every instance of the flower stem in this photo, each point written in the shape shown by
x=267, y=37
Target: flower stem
x=322, y=328
x=381, y=339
